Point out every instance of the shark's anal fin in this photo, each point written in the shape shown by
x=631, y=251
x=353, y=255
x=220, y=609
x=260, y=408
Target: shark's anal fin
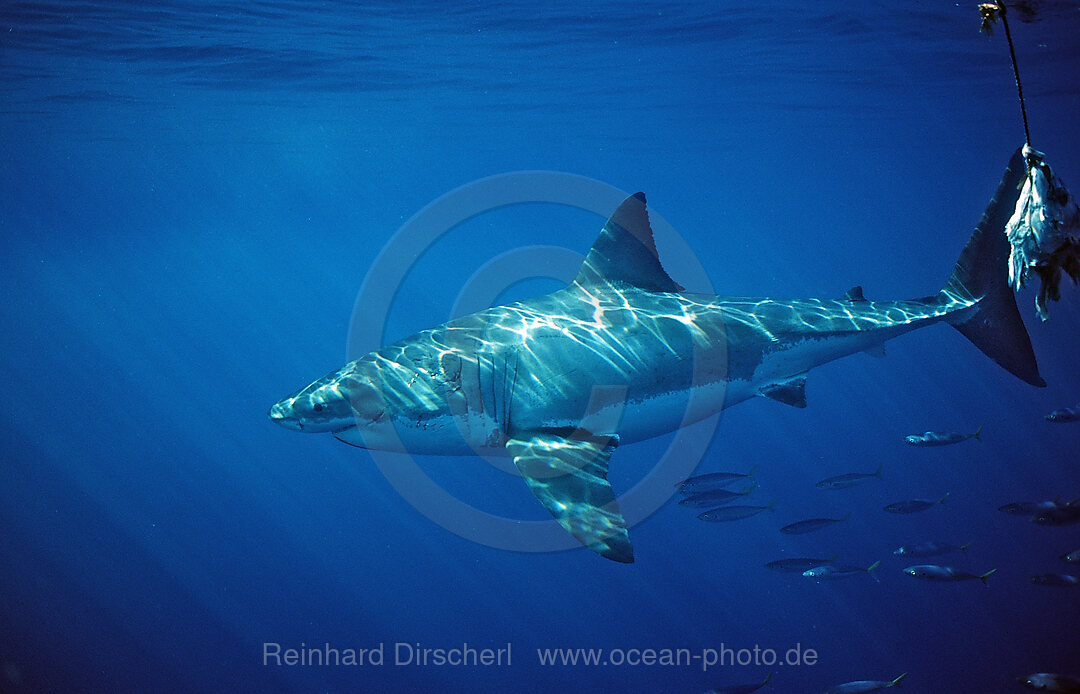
x=569, y=477
x=790, y=392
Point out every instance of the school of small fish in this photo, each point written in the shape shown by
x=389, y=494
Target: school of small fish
x=712, y=490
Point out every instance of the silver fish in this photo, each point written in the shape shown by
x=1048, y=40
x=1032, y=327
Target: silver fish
x=715, y=497
x=1029, y=508
x=848, y=480
x=929, y=549
x=1060, y=580
x=741, y=688
x=863, y=686
x=1050, y=682
x=733, y=513
x=712, y=480
x=931, y=572
x=1062, y=515
x=799, y=564
x=1066, y=414
x=831, y=571
x=935, y=438
x=811, y=524
x=915, y=505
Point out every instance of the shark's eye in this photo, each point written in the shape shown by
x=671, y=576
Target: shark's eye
x=318, y=407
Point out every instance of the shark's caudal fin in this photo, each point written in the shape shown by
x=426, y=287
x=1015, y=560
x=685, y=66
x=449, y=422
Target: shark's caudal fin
x=982, y=273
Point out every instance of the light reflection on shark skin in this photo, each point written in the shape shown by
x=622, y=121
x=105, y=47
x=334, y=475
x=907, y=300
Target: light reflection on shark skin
x=612, y=337
x=623, y=354
x=497, y=362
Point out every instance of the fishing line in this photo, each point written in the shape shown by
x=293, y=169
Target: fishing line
x=990, y=12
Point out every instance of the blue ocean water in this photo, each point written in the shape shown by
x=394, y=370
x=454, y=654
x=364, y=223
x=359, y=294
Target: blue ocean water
x=191, y=195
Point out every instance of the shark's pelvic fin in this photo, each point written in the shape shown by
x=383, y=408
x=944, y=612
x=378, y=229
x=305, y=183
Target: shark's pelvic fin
x=569, y=477
x=982, y=274
x=625, y=252
x=790, y=392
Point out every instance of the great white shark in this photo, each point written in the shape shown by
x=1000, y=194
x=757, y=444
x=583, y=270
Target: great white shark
x=624, y=354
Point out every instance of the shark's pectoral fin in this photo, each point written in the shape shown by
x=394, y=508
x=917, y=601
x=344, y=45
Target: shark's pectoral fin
x=569, y=477
x=790, y=392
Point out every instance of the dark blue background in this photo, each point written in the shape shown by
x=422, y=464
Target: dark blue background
x=191, y=195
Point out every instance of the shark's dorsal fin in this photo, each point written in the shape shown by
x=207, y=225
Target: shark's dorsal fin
x=790, y=392
x=625, y=252
x=855, y=294
x=569, y=477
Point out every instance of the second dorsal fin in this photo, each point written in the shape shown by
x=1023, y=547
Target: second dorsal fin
x=855, y=294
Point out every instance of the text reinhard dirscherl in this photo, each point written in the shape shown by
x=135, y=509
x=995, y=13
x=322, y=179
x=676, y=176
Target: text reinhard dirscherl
x=414, y=654
x=399, y=653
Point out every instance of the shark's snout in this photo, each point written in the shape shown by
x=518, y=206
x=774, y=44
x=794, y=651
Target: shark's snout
x=282, y=413
x=323, y=406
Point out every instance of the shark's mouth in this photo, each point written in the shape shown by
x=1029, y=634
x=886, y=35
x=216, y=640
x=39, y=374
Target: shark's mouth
x=350, y=435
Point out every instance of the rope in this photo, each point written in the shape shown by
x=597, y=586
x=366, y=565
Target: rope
x=1016, y=72
x=990, y=13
